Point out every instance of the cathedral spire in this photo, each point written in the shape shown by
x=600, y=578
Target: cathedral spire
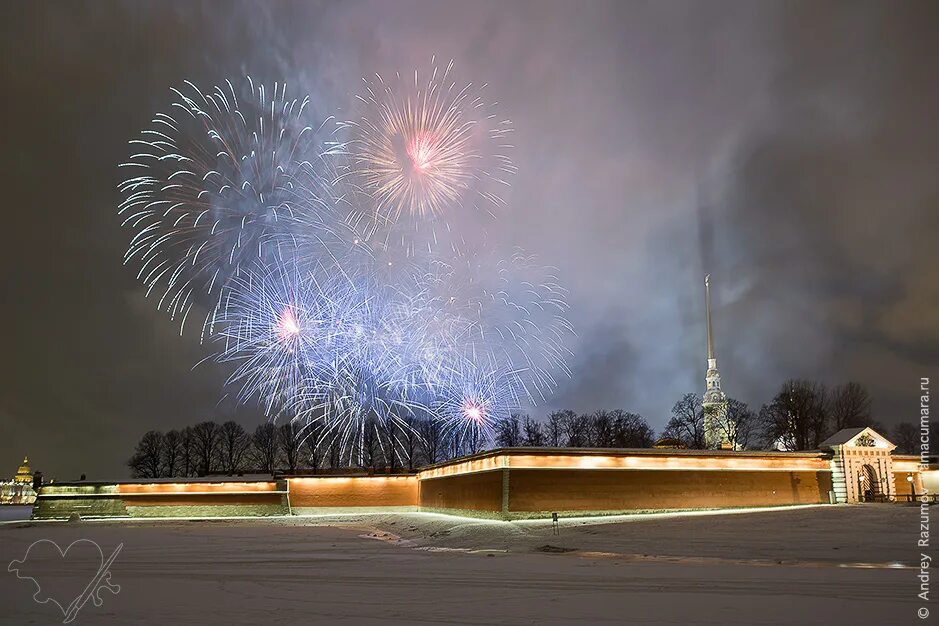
x=707, y=300
x=714, y=402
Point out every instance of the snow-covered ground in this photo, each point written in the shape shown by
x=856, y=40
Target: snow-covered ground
x=819, y=565
x=15, y=512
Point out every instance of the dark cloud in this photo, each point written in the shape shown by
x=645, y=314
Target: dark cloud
x=787, y=148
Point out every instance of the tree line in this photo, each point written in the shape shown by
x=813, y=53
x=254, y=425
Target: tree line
x=800, y=416
x=403, y=445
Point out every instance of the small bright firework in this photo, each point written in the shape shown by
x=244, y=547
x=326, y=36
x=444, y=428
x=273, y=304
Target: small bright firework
x=473, y=407
x=224, y=178
x=427, y=148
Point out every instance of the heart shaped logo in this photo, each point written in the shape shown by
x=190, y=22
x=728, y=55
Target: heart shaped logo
x=70, y=577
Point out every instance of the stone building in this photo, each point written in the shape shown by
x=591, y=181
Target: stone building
x=18, y=490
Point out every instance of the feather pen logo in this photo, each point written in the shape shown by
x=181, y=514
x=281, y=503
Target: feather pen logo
x=82, y=555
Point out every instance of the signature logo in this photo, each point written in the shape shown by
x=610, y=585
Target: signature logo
x=82, y=555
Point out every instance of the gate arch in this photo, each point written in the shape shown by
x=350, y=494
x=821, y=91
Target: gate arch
x=869, y=483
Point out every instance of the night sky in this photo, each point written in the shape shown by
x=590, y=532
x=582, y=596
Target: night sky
x=789, y=149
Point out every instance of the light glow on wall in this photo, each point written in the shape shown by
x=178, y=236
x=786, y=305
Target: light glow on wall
x=199, y=488
x=513, y=460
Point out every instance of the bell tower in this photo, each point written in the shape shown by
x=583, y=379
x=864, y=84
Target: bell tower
x=714, y=401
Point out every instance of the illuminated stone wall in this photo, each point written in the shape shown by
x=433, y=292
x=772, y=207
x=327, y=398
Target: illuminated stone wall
x=500, y=483
x=321, y=493
x=477, y=491
x=605, y=490
x=87, y=500
x=163, y=499
x=521, y=482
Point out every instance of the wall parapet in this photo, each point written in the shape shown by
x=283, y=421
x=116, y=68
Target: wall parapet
x=503, y=483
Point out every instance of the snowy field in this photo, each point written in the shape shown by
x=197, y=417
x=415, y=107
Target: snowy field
x=817, y=565
x=15, y=512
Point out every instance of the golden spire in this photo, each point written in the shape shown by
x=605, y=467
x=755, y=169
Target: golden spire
x=707, y=300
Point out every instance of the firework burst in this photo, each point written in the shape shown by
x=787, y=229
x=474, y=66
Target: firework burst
x=226, y=176
x=426, y=149
x=471, y=409
x=280, y=329
x=321, y=263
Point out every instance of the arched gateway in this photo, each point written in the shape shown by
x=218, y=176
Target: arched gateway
x=861, y=465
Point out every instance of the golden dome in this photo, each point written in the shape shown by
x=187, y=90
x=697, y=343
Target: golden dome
x=23, y=475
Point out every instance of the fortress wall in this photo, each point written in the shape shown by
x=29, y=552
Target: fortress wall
x=548, y=490
x=162, y=499
x=476, y=491
x=353, y=491
x=508, y=482
x=197, y=487
x=90, y=500
x=205, y=498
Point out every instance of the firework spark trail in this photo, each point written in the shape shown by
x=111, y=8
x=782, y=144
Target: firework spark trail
x=427, y=152
x=352, y=351
x=511, y=318
x=214, y=185
x=326, y=273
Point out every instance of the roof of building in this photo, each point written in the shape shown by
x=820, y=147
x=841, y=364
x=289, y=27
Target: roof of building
x=845, y=435
x=842, y=436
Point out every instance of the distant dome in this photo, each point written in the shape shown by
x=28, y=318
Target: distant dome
x=23, y=475
x=669, y=442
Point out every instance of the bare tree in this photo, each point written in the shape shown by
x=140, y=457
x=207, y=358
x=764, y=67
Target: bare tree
x=410, y=441
x=477, y=440
x=288, y=436
x=205, y=437
x=576, y=428
x=849, y=407
x=687, y=422
x=906, y=436
x=266, y=448
x=630, y=430
x=532, y=434
x=234, y=444
x=187, y=451
x=369, y=450
x=796, y=419
x=388, y=440
x=147, y=461
x=554, y=430
x=432, y=440
x=333, y=451
x=172, y=453
x=600, y=430
x=312, y=437
x=738, y=425
x=509, y=432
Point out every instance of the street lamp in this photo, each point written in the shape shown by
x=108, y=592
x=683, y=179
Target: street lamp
x=909, y=479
